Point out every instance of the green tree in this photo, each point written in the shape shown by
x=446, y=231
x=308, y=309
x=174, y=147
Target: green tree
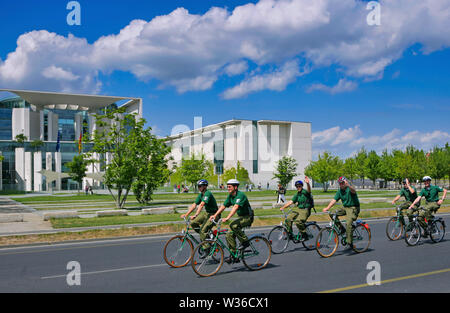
x=21, y=138
x=239, y=173
x=387, y=167
x=373, y=166
x=77, y=169
x=349, y=168
x=326, y=168
x=120, y=137
x=361, y=164
x=194, y=168
x=153, y=168
x=437, y=166
x=447, y=161
x=285, y=170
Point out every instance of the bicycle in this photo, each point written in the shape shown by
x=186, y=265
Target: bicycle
x=396, y=225
x=280, y=235
x=328, y=238
x=179, y=249
x=414, y=231
x=207, y=262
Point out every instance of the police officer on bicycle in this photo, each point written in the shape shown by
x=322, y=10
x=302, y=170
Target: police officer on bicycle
x=350, y=201
x=432, y=205
x=201, y=222
x=410, y=194
x=303, y=200
x=239, y=204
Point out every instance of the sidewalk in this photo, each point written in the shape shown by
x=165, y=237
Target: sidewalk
x=18, y=218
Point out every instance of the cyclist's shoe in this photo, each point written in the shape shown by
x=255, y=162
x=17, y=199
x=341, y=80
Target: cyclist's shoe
x=349, y=247
x=231, y=260
x=244, y=245
x=425, y=234
x=304, y=237
x=203, y=253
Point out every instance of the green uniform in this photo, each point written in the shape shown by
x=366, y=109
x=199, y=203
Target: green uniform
x=431, y=195
x=351, y=210
x=409, y=199
x=202, y=224
x=300, y=215
x=245, y=219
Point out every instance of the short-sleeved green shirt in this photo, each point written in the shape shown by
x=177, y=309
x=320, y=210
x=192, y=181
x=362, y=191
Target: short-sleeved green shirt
x=408, y=195
x=240, y=199
x=303, y=199
x=348, y=198
x=210, y=201
x=431, y=194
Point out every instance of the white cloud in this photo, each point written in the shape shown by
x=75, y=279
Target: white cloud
x=191, y=51
x=341, y=141
x=335, y=136
x=276, y=81
x=53, y=72
x=343, y=85
x=236, y=68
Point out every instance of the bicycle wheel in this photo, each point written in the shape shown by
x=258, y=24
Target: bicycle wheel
x=312, y=231
x=207, y=262
x=395, y=228
x=257, y=255
x=361, y=239
x=437, y=231
x=279, y=239
x=412, y=234
x=327, y=242
x=178, y=251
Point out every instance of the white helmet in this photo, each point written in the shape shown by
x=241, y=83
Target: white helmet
x=233, y=182
x=426, y=178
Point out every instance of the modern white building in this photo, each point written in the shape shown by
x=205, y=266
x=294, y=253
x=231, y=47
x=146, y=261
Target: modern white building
x=36, y=165
x=257, y=145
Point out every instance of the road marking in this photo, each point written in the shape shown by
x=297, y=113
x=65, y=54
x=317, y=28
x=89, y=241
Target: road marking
x=108, y=271
x=387, y=281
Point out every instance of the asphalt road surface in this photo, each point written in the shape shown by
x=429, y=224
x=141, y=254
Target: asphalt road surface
x=137, y=265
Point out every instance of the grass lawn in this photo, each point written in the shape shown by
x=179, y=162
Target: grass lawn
x=140, y=219
x=169, y=228
x=185, y=197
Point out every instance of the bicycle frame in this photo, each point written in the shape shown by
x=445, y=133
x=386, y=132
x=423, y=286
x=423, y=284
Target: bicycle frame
x=291, y=229
x=185, y=232
x=400, y=217
x=216, y=240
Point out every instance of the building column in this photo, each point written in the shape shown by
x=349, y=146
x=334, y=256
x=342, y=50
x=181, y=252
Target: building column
x=48, y=167
x=28, y=172
x=41, y=119
x=37, y=167
x=20, y=167
x=58, y=167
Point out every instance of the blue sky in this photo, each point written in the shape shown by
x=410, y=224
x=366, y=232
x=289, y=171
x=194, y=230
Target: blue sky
x=380, y=86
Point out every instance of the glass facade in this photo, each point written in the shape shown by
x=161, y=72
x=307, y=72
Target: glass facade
x=12, y=181
x=219, y=156
x=6, y=107
x=66, y=126
x=255, y=147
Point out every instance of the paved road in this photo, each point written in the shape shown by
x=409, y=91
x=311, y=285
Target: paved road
x=136, y=265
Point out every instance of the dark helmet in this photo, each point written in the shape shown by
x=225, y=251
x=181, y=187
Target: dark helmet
x=202, y=182
x=298, y=183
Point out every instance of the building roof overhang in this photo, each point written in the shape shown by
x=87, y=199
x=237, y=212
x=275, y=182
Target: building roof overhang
x=65, y=101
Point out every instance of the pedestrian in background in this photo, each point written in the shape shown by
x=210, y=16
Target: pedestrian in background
x=281, y=192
